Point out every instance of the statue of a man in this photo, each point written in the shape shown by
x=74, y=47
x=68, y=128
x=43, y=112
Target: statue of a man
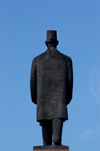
x=51, y=86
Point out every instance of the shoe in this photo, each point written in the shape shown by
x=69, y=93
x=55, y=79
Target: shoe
x=57, y=143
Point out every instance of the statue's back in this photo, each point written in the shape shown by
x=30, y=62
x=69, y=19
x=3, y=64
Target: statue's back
x=52, y=78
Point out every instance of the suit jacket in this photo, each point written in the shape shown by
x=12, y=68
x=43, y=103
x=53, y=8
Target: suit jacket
x=51, y=84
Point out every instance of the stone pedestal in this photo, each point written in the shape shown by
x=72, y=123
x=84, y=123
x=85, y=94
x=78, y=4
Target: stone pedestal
x=51, y=148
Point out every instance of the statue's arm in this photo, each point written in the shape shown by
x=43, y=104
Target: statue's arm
x=33, y=83
x=70, y=80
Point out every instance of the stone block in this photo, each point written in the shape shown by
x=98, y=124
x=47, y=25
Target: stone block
x=51, y=148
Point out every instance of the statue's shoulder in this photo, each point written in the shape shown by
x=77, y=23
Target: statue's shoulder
x=39, y=57
x=65, y=57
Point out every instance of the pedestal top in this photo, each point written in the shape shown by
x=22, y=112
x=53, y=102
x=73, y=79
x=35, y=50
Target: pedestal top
x=51, y=148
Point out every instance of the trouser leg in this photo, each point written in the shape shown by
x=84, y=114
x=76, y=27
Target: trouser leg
x=57, y=125
x=47, y=133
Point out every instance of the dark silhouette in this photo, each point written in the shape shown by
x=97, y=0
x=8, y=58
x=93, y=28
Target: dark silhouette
x=51, y=89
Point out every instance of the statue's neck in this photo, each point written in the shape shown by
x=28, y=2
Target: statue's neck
x=51, y=48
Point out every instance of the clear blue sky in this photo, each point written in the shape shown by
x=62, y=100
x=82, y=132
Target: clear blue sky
x=23, y=26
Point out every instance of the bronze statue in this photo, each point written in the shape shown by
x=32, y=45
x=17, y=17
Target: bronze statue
x=51, y=86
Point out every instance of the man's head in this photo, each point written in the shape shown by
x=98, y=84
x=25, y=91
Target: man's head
x=51, y=38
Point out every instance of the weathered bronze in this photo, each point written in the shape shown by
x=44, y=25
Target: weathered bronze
x=51, y=86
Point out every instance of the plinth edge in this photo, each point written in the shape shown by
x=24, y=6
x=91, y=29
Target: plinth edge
x=51, y=147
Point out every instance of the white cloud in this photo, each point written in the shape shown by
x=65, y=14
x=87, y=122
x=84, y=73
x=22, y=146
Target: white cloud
x=90, y=133
x=95, y=84
x=86, y=135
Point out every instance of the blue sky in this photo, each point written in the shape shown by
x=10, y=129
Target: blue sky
x=23, y=26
